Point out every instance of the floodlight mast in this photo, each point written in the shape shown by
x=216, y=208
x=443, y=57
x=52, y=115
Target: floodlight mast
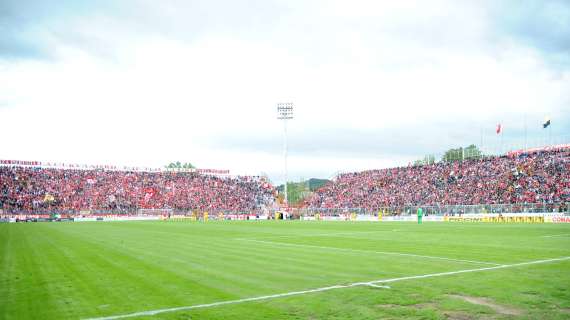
x=285, y=112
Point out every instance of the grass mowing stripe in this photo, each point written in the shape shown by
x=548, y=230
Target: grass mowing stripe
x=254, y=258
x=332, y=234
x=245, y=286
x=556, y=235
x=150, y=280
x=371, y=251
x=88, y=266
x=293, y=293
x=264, y=274
x=227, y=252
x=470, y=270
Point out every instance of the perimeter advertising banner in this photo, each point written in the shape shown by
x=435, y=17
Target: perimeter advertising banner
x=474, y=217
x=543, y=217
x=557, y=219
x=496, y=219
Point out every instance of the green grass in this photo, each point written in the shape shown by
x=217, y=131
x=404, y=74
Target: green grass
x=83, y=270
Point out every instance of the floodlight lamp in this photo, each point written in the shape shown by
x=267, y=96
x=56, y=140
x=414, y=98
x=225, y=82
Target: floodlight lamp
x=285, y=111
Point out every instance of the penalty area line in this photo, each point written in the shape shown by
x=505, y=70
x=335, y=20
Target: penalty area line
x=341, y=286
x=372, y=251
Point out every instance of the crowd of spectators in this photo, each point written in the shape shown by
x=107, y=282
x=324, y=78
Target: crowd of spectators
x=29, y=189
x=542, y=177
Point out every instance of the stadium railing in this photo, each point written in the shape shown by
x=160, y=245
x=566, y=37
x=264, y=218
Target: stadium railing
x=130, y=211
x=521, y=208
x=450, y=210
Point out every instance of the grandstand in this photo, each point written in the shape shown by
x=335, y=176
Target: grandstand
x=31, y=188
x=538, y=179
x=541, y=176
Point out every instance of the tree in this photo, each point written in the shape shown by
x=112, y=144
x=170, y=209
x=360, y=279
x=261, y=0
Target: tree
x=472, y=152
x=296, y=191
x=453, y=155
x=179, y=165
x=428, y=159
x=460, y=154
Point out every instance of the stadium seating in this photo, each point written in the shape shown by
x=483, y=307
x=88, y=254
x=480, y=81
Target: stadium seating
x=542, y=177
x=27, y=189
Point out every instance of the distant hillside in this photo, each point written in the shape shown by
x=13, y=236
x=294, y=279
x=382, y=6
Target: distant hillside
x=313, y=184
x=298, y=191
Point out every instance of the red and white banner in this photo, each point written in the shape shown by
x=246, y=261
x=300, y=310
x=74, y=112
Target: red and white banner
x=560, y=147
x=58, y=165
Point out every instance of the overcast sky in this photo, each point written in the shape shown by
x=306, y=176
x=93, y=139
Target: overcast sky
x=374, y=83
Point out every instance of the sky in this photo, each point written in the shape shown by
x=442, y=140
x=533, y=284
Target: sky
x=374, y=84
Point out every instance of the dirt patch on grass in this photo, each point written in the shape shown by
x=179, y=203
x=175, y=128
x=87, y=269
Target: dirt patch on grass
x=423, y=305
x=388, y=305
x=458, y=315
x=416, y=306
x=498, y=308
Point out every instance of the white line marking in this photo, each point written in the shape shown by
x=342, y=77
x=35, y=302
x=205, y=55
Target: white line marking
x=557, y=235
x=376, y=286
x=294, y=293
x=330, y=234
x=471, y=270
x=371, y=251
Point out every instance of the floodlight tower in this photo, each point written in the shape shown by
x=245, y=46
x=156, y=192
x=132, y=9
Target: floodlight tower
x=285, y=112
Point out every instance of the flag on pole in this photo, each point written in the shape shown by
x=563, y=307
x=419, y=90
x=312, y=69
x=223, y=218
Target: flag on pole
x=546, y=123
x=499, y=128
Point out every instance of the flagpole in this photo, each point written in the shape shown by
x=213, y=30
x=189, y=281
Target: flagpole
x=481, y=136
x=502, y=133
x=525, y=131
x=545, y=136
x=550, y=134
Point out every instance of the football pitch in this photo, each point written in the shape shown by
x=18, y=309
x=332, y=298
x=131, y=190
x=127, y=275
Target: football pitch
x=284, y=270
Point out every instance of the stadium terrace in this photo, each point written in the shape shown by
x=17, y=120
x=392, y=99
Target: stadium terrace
x=537, y=177
x=29, y=189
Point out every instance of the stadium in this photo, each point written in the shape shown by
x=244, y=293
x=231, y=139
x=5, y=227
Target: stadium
x=398, y=219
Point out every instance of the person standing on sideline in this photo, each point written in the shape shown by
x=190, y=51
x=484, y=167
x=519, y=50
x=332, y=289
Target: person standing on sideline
x=420, y=215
